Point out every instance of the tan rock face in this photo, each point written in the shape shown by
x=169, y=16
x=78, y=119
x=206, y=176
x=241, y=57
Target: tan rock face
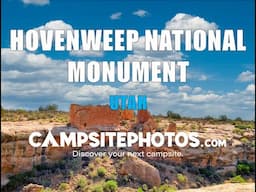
x=32, y=188
x=141, y=170
x=143, y=116
x=93, y=117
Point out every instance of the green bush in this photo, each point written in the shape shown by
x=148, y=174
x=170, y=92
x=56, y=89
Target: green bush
x=81, y=183
x=63, y=186
x=110, y=186
x=51, y=107
x=210, y=173
x=208, y=118
x=172, y=115
x=238, y=131
x=166, y=188
x=241, y=126
x=244, y=140
x=145, y=187
x=181, y=178
x=237, y=179
x=101, y=171
x=243, y=169
x=223, y=118
x=139, y=189
x=97, y=188
x=238, y=119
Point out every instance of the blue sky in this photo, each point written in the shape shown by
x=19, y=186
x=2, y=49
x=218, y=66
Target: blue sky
x=219, y=82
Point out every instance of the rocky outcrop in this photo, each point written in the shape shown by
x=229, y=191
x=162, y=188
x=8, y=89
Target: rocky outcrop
x=94, y=118
x=172, y=127
x=32, y=188
x=143, y=116
x=149, y=126
x=127, y=115
x=18, y=156
x=140, y=170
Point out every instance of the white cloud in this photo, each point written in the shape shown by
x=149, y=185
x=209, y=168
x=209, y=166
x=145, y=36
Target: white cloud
x=31, y=79
x=202, y=77
x=54, y=25
x=201, y=98
x=185, y=88
x=188, y=22
x=25, y=59
x=140, y=13
x=250, y=88
x=116, y=16
x=179, y=21
x=81, y=53
x=91, y=93
x=36, y=2
x=186, y=100
x=246, y=76
x=197, y=90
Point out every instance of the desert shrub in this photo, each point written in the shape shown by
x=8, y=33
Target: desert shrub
x=145, y=187
x=92, y=174
x=199, y=179
x=81, y=183
x=110, y=186
x=71, y=173
x=97, y=188
x=244, y=168
x=181, y=178
x=238, y=131
x=237, y=179
x=91, y=166
x=223, y=118
x=208, y=118
x=63, y=186
x=111, y=177
x=244, y=140
x=172, y=115
x=238, y=119
x=101, y=171
x=97, y=160
x=193, y=170
x=51, y=107
x=241, y=126
x=210, y=173
x=165, y=188
x=193, y=127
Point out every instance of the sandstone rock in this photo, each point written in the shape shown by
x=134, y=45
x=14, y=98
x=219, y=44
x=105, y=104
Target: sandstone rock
x=32, y=188
x=141, y=170
x=127, y=115
x=94, y=118
x=143, y=116
x=149, y=126
x=172, y=127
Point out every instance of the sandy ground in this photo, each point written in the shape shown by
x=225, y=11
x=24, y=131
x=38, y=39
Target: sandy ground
x=227, y=187
x=12, y=128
